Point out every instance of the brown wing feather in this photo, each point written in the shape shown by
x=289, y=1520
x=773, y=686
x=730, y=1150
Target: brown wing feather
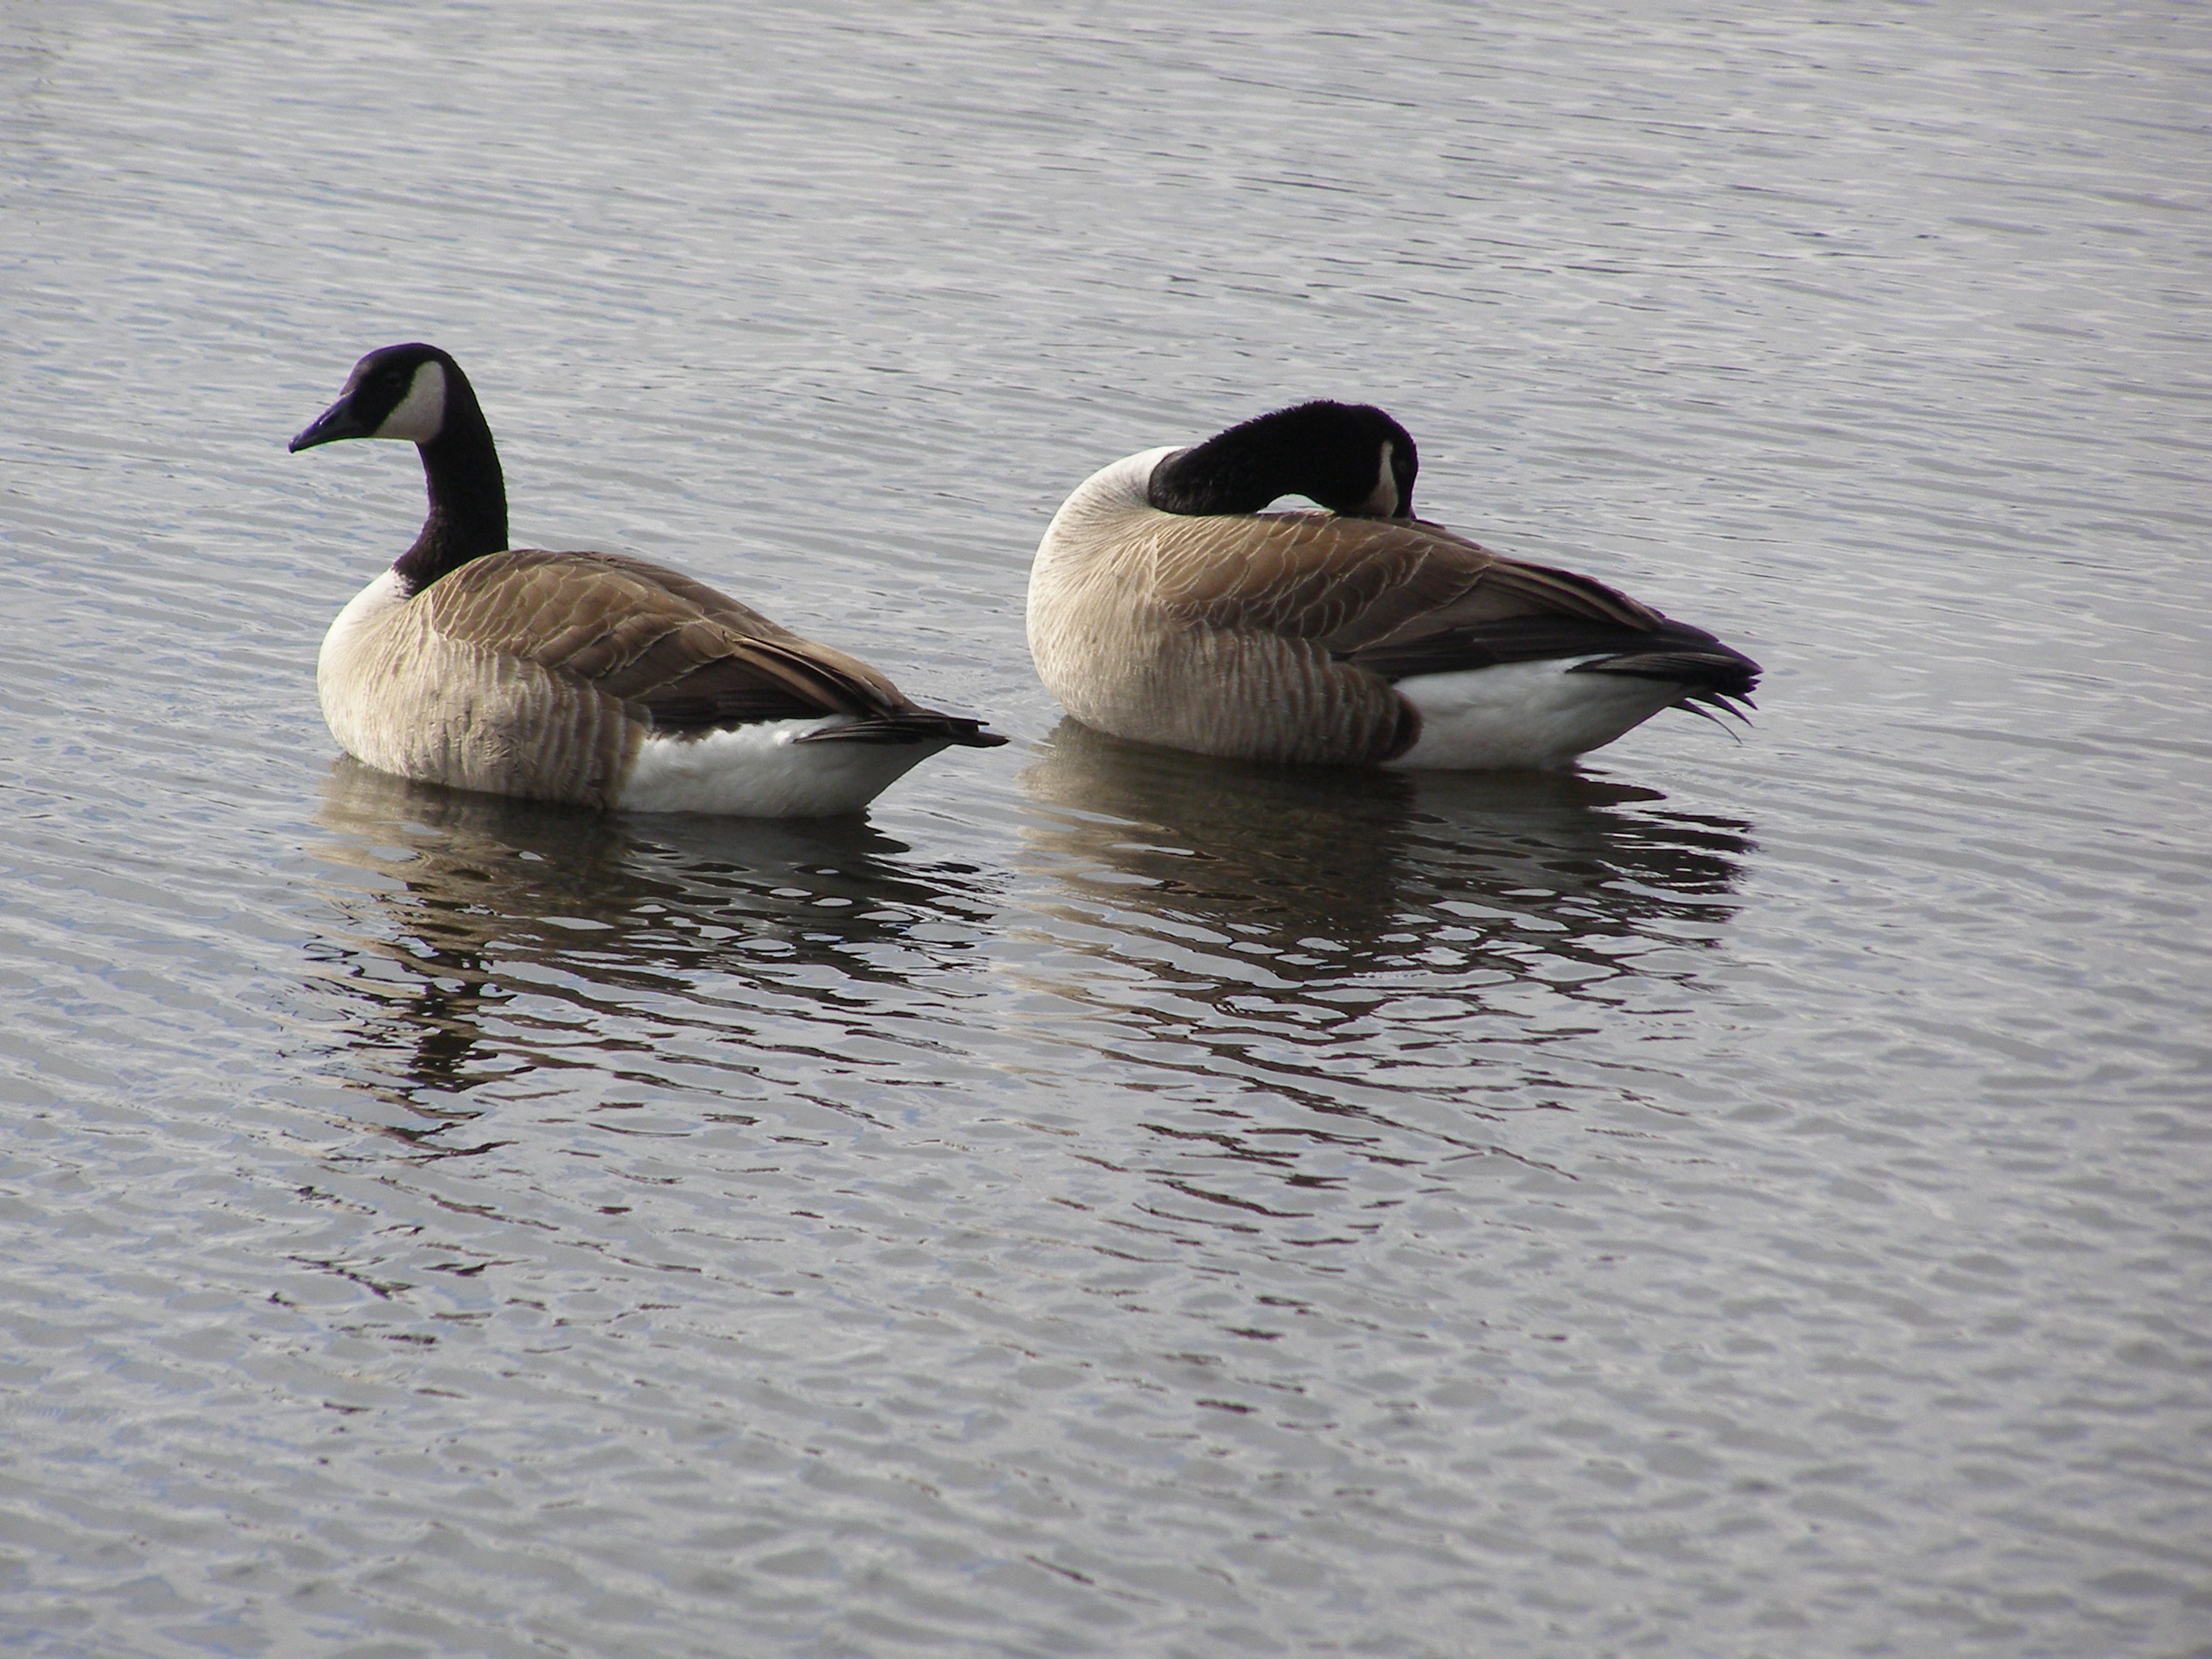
x=685, y=654
x=1353, y=585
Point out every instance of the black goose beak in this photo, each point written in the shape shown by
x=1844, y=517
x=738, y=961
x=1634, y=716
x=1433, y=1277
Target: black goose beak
x=337, y=421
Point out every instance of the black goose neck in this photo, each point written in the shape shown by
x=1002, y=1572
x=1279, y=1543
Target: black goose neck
x=1332, y=453
x=468, y=517
x=1237, y=472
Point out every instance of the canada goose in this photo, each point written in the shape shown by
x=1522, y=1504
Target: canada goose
x=1167, y=608
x=585, y=678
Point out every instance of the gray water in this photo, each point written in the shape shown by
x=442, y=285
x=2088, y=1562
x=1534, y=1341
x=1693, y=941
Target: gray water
x=1730, y=1201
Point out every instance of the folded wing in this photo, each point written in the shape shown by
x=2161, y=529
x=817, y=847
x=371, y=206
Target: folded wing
x=1402, y=598
x=682, y=656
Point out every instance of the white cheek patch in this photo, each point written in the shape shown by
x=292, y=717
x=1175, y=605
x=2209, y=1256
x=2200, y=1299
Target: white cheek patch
x=421, y=414
x=1384, y=502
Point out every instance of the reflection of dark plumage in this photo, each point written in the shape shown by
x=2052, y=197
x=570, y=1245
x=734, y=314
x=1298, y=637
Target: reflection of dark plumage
x=1295, y=955
x=465, y=886
x=1275, y=853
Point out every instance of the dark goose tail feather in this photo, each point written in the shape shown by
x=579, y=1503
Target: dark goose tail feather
x=1723, y=701
x=1709, y=674
x=916, y=725
x=1690, y=704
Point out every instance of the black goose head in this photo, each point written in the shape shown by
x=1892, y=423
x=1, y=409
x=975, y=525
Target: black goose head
x=397, y=392
x=418, y=392
x=1351, y=457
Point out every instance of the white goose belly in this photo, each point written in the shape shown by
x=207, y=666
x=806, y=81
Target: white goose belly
x=763, y=771
x=1532, y=715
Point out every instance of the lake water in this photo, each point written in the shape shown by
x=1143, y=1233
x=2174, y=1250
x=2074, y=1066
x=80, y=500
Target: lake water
x=1734, y=1200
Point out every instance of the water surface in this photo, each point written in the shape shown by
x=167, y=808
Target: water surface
x=1730, y=1200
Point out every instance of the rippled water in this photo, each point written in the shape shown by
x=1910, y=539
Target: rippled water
x=1731, y=1201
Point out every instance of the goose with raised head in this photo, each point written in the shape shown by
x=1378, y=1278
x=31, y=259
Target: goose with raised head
x=592, y=678
x=1167, y=608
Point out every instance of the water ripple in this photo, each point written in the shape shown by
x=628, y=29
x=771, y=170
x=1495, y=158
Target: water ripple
x=1728, y=1200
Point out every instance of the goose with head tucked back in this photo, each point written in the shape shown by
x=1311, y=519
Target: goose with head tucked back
x=1167, y=608
x=591, y=678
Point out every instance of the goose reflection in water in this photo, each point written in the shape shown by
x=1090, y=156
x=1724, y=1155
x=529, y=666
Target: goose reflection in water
x=1346, y=936
x=1359, y=862
x=474, y=901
